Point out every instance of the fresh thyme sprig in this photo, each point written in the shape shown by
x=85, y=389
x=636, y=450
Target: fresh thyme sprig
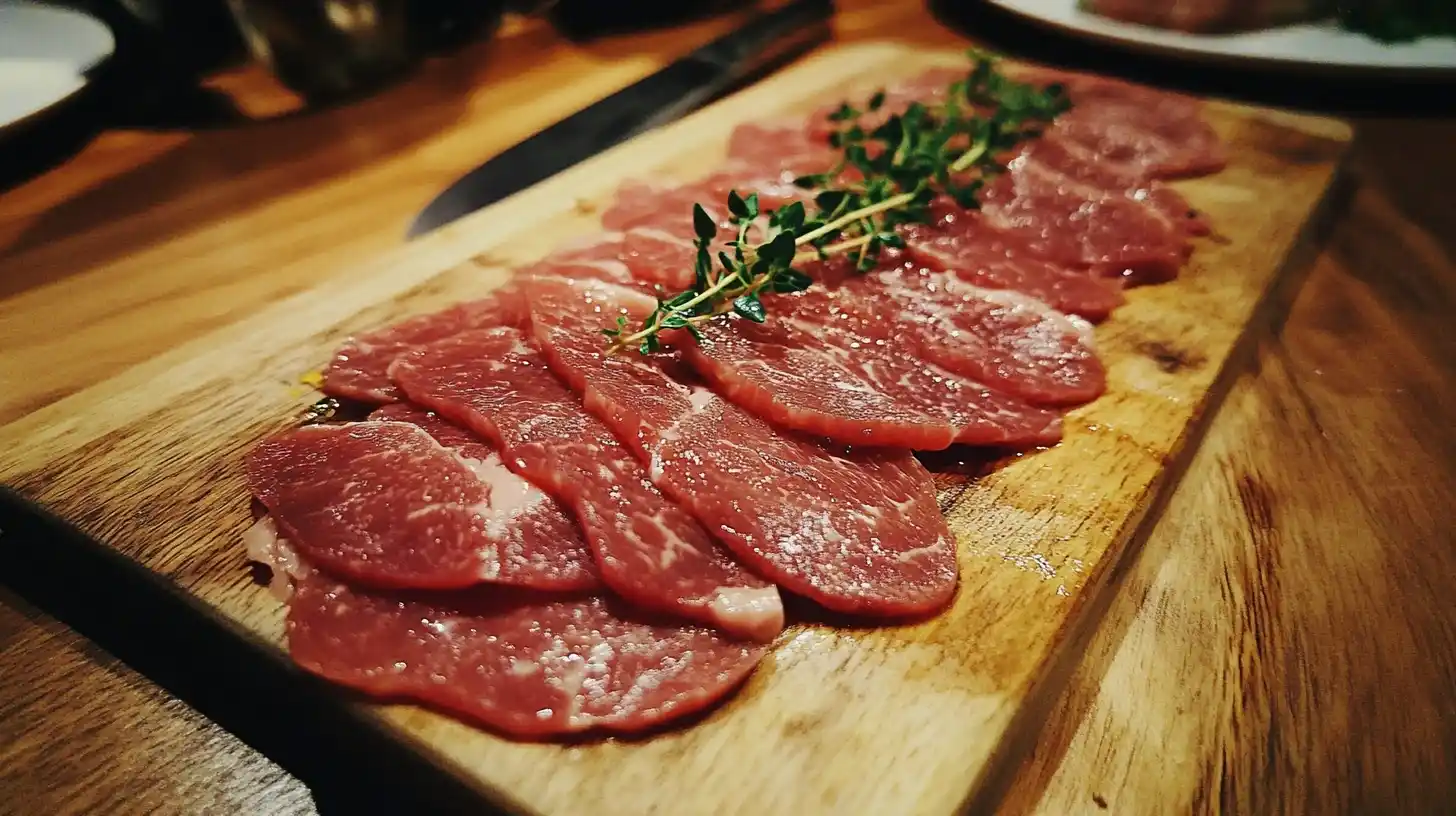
x=887, y=176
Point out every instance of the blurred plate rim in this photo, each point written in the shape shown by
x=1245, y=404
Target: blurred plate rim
x=1308, y=47
x=60, y=66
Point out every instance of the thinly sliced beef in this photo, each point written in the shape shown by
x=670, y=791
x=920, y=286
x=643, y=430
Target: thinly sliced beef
x=659, y=257
x=647, y=255
x=1093, y=177
x=661, y=207
x=928, y=88
x=783, y=147
x=1013, y=343
x=642, y=257
x=524, y=663
x=962, y=243
x=1095, y=203
x=359, y=370
x=597, y=257
x=529, y=667
x=386, y=505
x=649, y=550
x=856, y=531
x=1156, y=133
x=1110, y=233
x=906, y=356
x=827, y=380
x=669, y=208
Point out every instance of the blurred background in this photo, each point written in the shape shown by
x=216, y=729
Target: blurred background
x=195, y=65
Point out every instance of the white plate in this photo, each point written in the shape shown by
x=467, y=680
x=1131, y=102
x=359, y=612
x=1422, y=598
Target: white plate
x=45, y=52
x=1322, y=46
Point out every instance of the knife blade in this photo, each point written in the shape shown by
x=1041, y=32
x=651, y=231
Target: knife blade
x=757, y=46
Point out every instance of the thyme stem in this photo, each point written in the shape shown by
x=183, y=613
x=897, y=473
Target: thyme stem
x=903, y=163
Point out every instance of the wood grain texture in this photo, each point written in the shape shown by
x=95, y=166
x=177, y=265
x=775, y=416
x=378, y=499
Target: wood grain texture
x=902, y=719
x=208, y=227
x=1286, y=642
x=144, y=737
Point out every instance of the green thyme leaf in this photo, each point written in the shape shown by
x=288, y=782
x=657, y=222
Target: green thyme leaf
x=737, y=207
x=749, y=307
x=791, y=280
x=703, y=223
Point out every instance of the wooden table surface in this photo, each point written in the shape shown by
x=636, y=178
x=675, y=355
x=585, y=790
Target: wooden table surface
x=1285, y=642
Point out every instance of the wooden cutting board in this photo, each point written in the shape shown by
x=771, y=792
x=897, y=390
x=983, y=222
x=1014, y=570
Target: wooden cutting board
x=914, y=719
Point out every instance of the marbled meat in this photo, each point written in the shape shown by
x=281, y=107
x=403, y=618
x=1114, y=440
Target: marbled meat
x=359, y=369
x=650, y=551
x=547, y=539
x=962, y=243
x=905, y=357
x=524, y=663
x=385, y=504
x=857, y=531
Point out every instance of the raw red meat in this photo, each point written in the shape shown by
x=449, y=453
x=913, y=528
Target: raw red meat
x=1071, y=166
x=596, y=257
x=1109, y=233
x=1209, y=16
x=527, y=664
x=529, y=667
x=1086, y=196
x=1159, y=133
x=798, y=462
x=783, y=147
x=905, y=356
x=386, y=505
x=928, y=88
x=1013, y=343
x=854, y=530
x=645, y=254
x=659, y=206
x=359, y=368
x=826, y=380
x=650, y=551
x=669, y=208
x=656, y=256
x=962, y=243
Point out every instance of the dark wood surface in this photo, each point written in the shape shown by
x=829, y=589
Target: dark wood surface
x=1286, y=641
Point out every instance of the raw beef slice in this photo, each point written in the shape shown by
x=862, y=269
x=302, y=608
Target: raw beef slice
x=842, y=386
x=1111, y=233
x=1015, y=344
x=527, y=664
x=856, y=531
x=359, y=369
x=1158, y=133
x=964, y=245
x=386, y=505
x=649, y=550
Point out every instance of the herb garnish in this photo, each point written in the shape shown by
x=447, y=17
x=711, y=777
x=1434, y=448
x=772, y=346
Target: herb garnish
x=887, y=175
